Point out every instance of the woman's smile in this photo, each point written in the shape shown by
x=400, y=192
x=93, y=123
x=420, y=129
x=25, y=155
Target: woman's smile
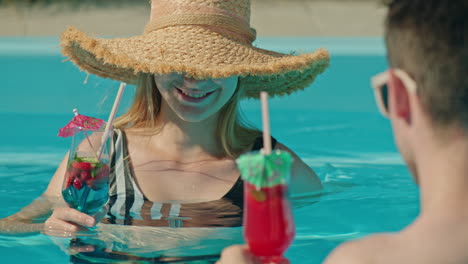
x=192, y=95
x=195, y=100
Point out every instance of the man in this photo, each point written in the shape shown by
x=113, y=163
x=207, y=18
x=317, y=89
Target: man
x=425, y=96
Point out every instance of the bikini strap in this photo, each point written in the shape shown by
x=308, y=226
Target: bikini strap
x=236, y=193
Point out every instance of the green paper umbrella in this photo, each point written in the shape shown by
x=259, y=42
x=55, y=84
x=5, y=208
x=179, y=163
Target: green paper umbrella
x=265, y=170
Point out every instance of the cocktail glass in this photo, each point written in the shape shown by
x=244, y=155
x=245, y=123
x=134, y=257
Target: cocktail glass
x=86, y=181
x=268, y=222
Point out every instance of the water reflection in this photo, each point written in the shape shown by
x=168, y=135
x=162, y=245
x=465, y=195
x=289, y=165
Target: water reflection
x=116, y=243
x=219, y=213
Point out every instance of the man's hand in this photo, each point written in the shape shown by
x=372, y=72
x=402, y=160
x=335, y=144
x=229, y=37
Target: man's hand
x=237, y=255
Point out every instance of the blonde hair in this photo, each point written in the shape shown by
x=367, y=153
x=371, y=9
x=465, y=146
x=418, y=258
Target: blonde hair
x=233, y=134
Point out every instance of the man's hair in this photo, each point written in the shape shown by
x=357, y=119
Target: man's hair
x=428, y=39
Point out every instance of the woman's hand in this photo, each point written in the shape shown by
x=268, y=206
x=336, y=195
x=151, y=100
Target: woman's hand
x=237, y=255
x=64, y=222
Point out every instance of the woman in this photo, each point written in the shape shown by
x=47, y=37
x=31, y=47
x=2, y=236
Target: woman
x=175, y=149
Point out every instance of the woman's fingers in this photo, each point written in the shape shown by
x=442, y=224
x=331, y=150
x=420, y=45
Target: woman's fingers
x=76, y=250
x=64, y=222
x=54, y=224
x=74, y=216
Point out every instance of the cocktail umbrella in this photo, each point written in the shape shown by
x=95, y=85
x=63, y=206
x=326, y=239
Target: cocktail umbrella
x=80, y=122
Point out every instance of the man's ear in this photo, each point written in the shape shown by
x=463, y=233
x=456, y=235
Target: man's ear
x=399, y=98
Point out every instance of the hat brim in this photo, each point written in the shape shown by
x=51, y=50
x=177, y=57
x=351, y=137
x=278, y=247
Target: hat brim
x=196, y=51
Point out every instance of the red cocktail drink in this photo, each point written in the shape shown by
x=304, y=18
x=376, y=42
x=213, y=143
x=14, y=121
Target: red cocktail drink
x=268, y=221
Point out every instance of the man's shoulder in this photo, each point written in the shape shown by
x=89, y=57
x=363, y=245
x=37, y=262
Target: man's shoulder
x=362, y=251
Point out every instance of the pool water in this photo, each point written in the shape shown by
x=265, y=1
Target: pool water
x=334, y=126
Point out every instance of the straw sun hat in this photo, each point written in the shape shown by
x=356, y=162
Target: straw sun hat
x=201, y=38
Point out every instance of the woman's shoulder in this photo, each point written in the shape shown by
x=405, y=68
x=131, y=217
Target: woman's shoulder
x=298, y=163
x=132, y=134
x=304, y=179
x=281, y=146
x=258, y=143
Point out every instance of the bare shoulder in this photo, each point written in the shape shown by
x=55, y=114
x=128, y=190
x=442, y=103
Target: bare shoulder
x=298, y=166
x=281, y=146
x=303, y=177
x=362, y=251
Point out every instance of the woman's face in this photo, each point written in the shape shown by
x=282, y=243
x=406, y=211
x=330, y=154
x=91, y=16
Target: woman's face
x=195, y=100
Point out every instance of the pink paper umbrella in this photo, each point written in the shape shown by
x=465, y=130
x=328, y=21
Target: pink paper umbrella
x=80, y=122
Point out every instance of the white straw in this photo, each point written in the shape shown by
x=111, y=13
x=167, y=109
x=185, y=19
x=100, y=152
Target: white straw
x=266, y=123
x=110, y=121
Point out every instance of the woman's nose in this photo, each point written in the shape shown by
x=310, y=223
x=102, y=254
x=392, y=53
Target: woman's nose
x=192, y=82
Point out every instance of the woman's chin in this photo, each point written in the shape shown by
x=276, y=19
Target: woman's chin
x=194, y=117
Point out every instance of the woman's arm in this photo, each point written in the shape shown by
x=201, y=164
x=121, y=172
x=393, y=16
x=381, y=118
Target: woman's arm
x=61, y=219
x=303, y=178
x=22, y=222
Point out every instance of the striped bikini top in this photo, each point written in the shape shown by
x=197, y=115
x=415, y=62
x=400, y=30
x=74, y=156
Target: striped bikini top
x=128, y=206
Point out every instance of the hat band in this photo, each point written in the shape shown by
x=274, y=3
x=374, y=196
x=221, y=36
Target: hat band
x=215, y=20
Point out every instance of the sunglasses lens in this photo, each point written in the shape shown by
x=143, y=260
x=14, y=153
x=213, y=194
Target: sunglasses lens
x=384, y=94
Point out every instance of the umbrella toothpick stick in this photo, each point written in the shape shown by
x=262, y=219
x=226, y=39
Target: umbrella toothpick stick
x=266, y=123
x=75, y=111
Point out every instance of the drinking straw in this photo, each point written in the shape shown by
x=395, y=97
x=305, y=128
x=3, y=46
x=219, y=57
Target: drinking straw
x=110, y=121
x=75, y=111
x=266, y=123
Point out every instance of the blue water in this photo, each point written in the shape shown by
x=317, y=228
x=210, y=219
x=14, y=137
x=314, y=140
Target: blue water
x=333, y=125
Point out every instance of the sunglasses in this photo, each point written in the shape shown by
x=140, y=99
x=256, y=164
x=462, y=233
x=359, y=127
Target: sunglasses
x=380, y=85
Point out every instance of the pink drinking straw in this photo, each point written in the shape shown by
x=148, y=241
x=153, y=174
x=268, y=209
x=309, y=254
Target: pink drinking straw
x=266, y=124
x=110, y=121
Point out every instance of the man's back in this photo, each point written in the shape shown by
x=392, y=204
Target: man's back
x=434, y=242
x=424, y=94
